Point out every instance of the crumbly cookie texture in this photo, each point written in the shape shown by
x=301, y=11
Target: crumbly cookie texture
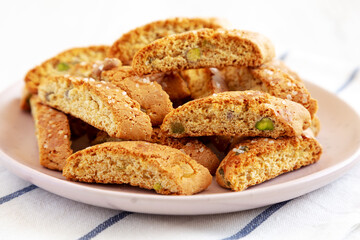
x=274, y=78
x=75, y=62
x=190, y=146
x=99, y=104
x=241, y=114
x=154, y=101
x=52, y=133
x=129, y=43
x=147, y=165
x=204, y=82
x=203, y=48
x=257, y=160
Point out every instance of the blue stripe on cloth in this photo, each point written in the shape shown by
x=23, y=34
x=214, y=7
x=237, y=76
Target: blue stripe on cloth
x=101, y=227
x=349, y=80
x=257, y=221
x=17, y=193
x=283, y=56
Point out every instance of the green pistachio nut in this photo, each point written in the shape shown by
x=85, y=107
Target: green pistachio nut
x=193, y=55
x=157, y=187
x=177, y=127
x=221, y=172
x=265, y=124
x=62, y=67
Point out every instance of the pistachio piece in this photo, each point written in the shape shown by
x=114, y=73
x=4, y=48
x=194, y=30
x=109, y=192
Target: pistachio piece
x=157, y=186
x=177, y=127
x=230, y=115
x=265, y=124
x=240, y=150
x=62, y=67
x=193, y=55
x=221, y=172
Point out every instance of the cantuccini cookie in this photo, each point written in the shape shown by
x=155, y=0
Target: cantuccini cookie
x=204, y=82
x=274, y=78
x=75, y=62
x=99, y=104
x=172, y=82
x=203, y=48
x=241, y=114
x=161, y=168
x=154, y=101
x=25, y=99
x=53, y=135
x=190, y=146
x=254, y=161
x=174, y=85
x=129, y=43
x=315, y=125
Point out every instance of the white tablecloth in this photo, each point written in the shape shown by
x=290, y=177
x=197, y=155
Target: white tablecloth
x=320, y=41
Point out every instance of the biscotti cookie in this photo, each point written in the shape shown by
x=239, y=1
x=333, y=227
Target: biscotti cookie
x=143, y=164
x=52, y=133
x=75, y=62
x=204, y=82
x=315, y=125
x=274, y=78
x=203, y=48
x=174, y=85
x=25, y=99
x=190, y=146
x=257, y=160
x=154, y=101
x=241, y=114
x=99, y=104
x=129, y=43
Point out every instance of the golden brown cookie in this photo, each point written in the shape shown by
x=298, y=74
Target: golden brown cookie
x=154, y=101
x=204, y=82
x=315, y=125
x=174, y=85
x=129, y=43
x=25, y=99
x=75, y=62
x=241, y=114
x=257, y=160
x=52, y=133
x=274, y=78
x=99, y=104
x=147, y=165
x=190, y=146
x=203, y=48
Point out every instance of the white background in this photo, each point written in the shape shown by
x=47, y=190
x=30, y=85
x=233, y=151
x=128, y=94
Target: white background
x=32, y=31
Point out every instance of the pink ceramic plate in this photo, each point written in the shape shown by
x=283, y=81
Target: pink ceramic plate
x=340, y=138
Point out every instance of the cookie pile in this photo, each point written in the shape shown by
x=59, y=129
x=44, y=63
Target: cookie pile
x=151, y=104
